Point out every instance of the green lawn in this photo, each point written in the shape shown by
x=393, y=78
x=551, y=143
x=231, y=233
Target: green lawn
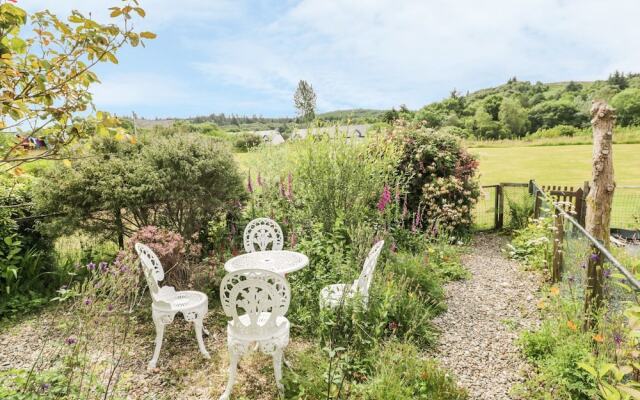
x=554, y=165
x=561, y=165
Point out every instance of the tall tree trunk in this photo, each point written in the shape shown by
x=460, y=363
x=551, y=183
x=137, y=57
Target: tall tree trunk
x=599, y=202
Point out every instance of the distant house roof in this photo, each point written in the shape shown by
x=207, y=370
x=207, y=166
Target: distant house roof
x=356, y=131
x=270, y=137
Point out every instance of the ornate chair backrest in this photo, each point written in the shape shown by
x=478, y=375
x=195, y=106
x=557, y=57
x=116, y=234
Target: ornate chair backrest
x=249, y=293
x=363, y=282
x=151, y=268
x=261, y=232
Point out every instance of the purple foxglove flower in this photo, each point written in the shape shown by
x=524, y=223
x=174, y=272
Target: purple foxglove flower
x=104, y=267
x=249, y=184
x=594, y=257
x=385, y=198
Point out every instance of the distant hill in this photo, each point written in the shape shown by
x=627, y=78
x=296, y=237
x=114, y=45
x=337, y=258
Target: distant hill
x=522, y=108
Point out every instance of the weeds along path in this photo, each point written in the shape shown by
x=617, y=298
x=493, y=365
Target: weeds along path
x=485, y=314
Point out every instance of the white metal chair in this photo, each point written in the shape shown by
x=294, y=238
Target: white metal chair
x=334, y=295
x=263, y=232
x=167, y=302
x=257, y=300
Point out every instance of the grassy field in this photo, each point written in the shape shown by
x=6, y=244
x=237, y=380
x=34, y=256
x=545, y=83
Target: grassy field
x=561, y=165
x=555, y=165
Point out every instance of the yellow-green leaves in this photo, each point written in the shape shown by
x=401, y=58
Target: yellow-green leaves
x=47, y=73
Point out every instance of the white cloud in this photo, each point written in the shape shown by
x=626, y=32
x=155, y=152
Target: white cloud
x=371, y=53
x=386, y=52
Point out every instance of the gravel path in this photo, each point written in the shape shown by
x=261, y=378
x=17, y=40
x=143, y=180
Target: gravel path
x=485, y=315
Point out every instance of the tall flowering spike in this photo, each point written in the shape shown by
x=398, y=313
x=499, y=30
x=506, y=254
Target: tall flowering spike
x=385, y=198
x=290, y=186
x=293, y=240
x=397, y=194
x=405, y=209
x=282, y=189
x=259, y=179
x=249, y=184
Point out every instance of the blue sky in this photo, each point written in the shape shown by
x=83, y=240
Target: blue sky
x=246, y=57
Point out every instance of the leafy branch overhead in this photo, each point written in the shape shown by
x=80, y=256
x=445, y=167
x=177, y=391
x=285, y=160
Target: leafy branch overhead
x=46, y=71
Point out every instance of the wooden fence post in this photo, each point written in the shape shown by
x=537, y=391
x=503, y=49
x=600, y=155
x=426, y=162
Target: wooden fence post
x=599, y=202
x=558, y=239
x=499, y=211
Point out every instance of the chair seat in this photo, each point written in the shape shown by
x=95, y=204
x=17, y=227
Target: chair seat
x=333, y=295
x=282, y=328
x=185, y=300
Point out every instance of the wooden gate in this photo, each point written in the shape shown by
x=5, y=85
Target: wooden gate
x=571, y=200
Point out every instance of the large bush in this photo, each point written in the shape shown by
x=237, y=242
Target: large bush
x=26, y=265
x=441, y=187
x=627, y=105
x=552, y=113
x=178, y=182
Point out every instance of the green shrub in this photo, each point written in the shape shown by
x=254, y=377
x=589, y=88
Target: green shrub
x=246, y=141
x=402, y=373
x=555, y=351
x=559, y=112
x=180, y=182
x=441, y=188
x=556, y=131
x=340, y=179
x=520, y=208
x=627, y=105
x=399, y=372
x=531, y=245
x=27, y=273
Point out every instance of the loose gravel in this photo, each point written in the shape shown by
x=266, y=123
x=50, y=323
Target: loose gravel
x=485, y=315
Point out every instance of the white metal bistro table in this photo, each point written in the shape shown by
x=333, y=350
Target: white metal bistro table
x=279, y=261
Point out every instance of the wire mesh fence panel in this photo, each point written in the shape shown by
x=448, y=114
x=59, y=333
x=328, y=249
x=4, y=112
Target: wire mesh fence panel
x=485, y=209
x=625, y=211
x=577, y=247
x=517, y=206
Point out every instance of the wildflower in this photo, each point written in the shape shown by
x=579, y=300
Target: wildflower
x=393, y=325
x=606, y=273
x=91, y=266
x=618, y=339
x=124, y=268
x=249, y=184
x=293, y=239
x=405, y=209
x=542, y=305
x=110, y=307
x=385, y=198
x=598, y=338
x=594, y=257
x=282, y=188
x=555, y=290
x=45, y=386
x=104, y=267
x=259, y=179
x=290, y=186
x=71, y=340
x=87, y=302
x=571, y=325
